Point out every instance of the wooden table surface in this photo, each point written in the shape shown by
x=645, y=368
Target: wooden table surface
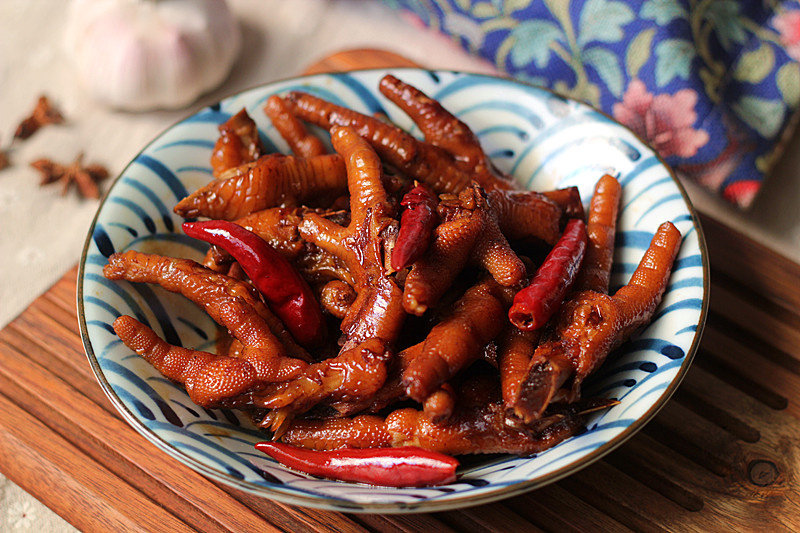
x=723, y=454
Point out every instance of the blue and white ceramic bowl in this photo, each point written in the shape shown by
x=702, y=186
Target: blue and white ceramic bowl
x=542, y=139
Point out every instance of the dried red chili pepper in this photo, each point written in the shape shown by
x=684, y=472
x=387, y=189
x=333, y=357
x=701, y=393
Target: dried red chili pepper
x=285, y=291
x=535, y=304
x=416, y=226
x=407, y=466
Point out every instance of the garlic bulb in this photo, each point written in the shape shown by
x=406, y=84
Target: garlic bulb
x=147, y=54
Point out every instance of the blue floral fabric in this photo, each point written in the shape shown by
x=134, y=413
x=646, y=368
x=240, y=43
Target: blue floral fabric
x=712, y=85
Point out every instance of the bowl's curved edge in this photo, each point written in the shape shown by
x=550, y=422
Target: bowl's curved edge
x=321, y=502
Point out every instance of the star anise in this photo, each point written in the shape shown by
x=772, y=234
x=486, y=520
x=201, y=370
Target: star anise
x=85, y=178
x=43, y=114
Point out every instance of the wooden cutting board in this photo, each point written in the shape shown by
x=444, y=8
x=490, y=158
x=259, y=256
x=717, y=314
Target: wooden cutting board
x=722, y=455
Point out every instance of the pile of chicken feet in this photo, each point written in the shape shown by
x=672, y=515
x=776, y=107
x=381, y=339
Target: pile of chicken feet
x=468, y=312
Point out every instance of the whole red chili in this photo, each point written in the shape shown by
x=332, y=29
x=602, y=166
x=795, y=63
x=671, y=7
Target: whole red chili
x=285, y=291
x=535, y=304
x=407, y=466
x=416, y=226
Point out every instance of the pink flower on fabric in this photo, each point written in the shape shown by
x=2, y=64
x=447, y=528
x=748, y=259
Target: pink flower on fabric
x=788, y=24
x=664, y=121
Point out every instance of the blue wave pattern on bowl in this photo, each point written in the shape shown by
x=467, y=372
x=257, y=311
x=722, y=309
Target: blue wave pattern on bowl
x=545, y=141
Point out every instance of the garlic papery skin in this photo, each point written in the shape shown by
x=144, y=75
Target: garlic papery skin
x=139, y=55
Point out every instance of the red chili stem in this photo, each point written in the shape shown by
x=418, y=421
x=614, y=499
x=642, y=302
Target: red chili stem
x=416, y=226
x=535, y=304
x=407, y=466
x=286, y=293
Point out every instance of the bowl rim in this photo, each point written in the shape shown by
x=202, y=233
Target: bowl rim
x=327, y=503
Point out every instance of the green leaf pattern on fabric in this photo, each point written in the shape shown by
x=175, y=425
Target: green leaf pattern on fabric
x=602, y=20
x=639, y=52
x=764, y=116
x=510, y=6
x=533, y=40
x=484, y=10
x=755, y=65
x=724, y=16
x=663, y=11
x=607, y=66
x=788, y=80
x=673, y=59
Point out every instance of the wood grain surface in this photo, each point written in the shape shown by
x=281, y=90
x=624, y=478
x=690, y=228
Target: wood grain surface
x=723, y=454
